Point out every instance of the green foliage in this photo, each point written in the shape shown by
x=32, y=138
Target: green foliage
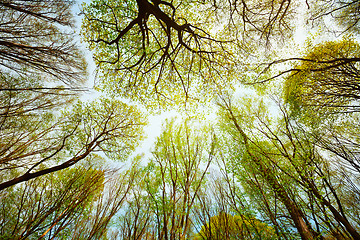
x=160, y=61
x=165, y=194
x=293, y=163
x=37, y=38
x=279, y=163
x=52, y=202
x=226, y=226
x=326, y=81
x=114, y=127
x=344, y=15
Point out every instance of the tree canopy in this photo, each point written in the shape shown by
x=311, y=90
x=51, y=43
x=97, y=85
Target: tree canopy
x=265, y=145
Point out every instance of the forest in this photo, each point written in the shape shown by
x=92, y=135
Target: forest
x=265, y=142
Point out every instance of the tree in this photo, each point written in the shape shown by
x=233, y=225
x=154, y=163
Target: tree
x=101, y=212
x=161, y=204
x=265, y=170
x=49, y=204
x=35, y=38
x=226, y=226
x=41, y=144
x=289, y=173
x=285, y=160
x=137, y=217
x=52, y=145
x=181, y=160
x=142, y=47
x=76, y=203
x=223, y=210
x=342, y=13
x=328, y=88
x=327, y=79
x=144, y=54
x=25, y=118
